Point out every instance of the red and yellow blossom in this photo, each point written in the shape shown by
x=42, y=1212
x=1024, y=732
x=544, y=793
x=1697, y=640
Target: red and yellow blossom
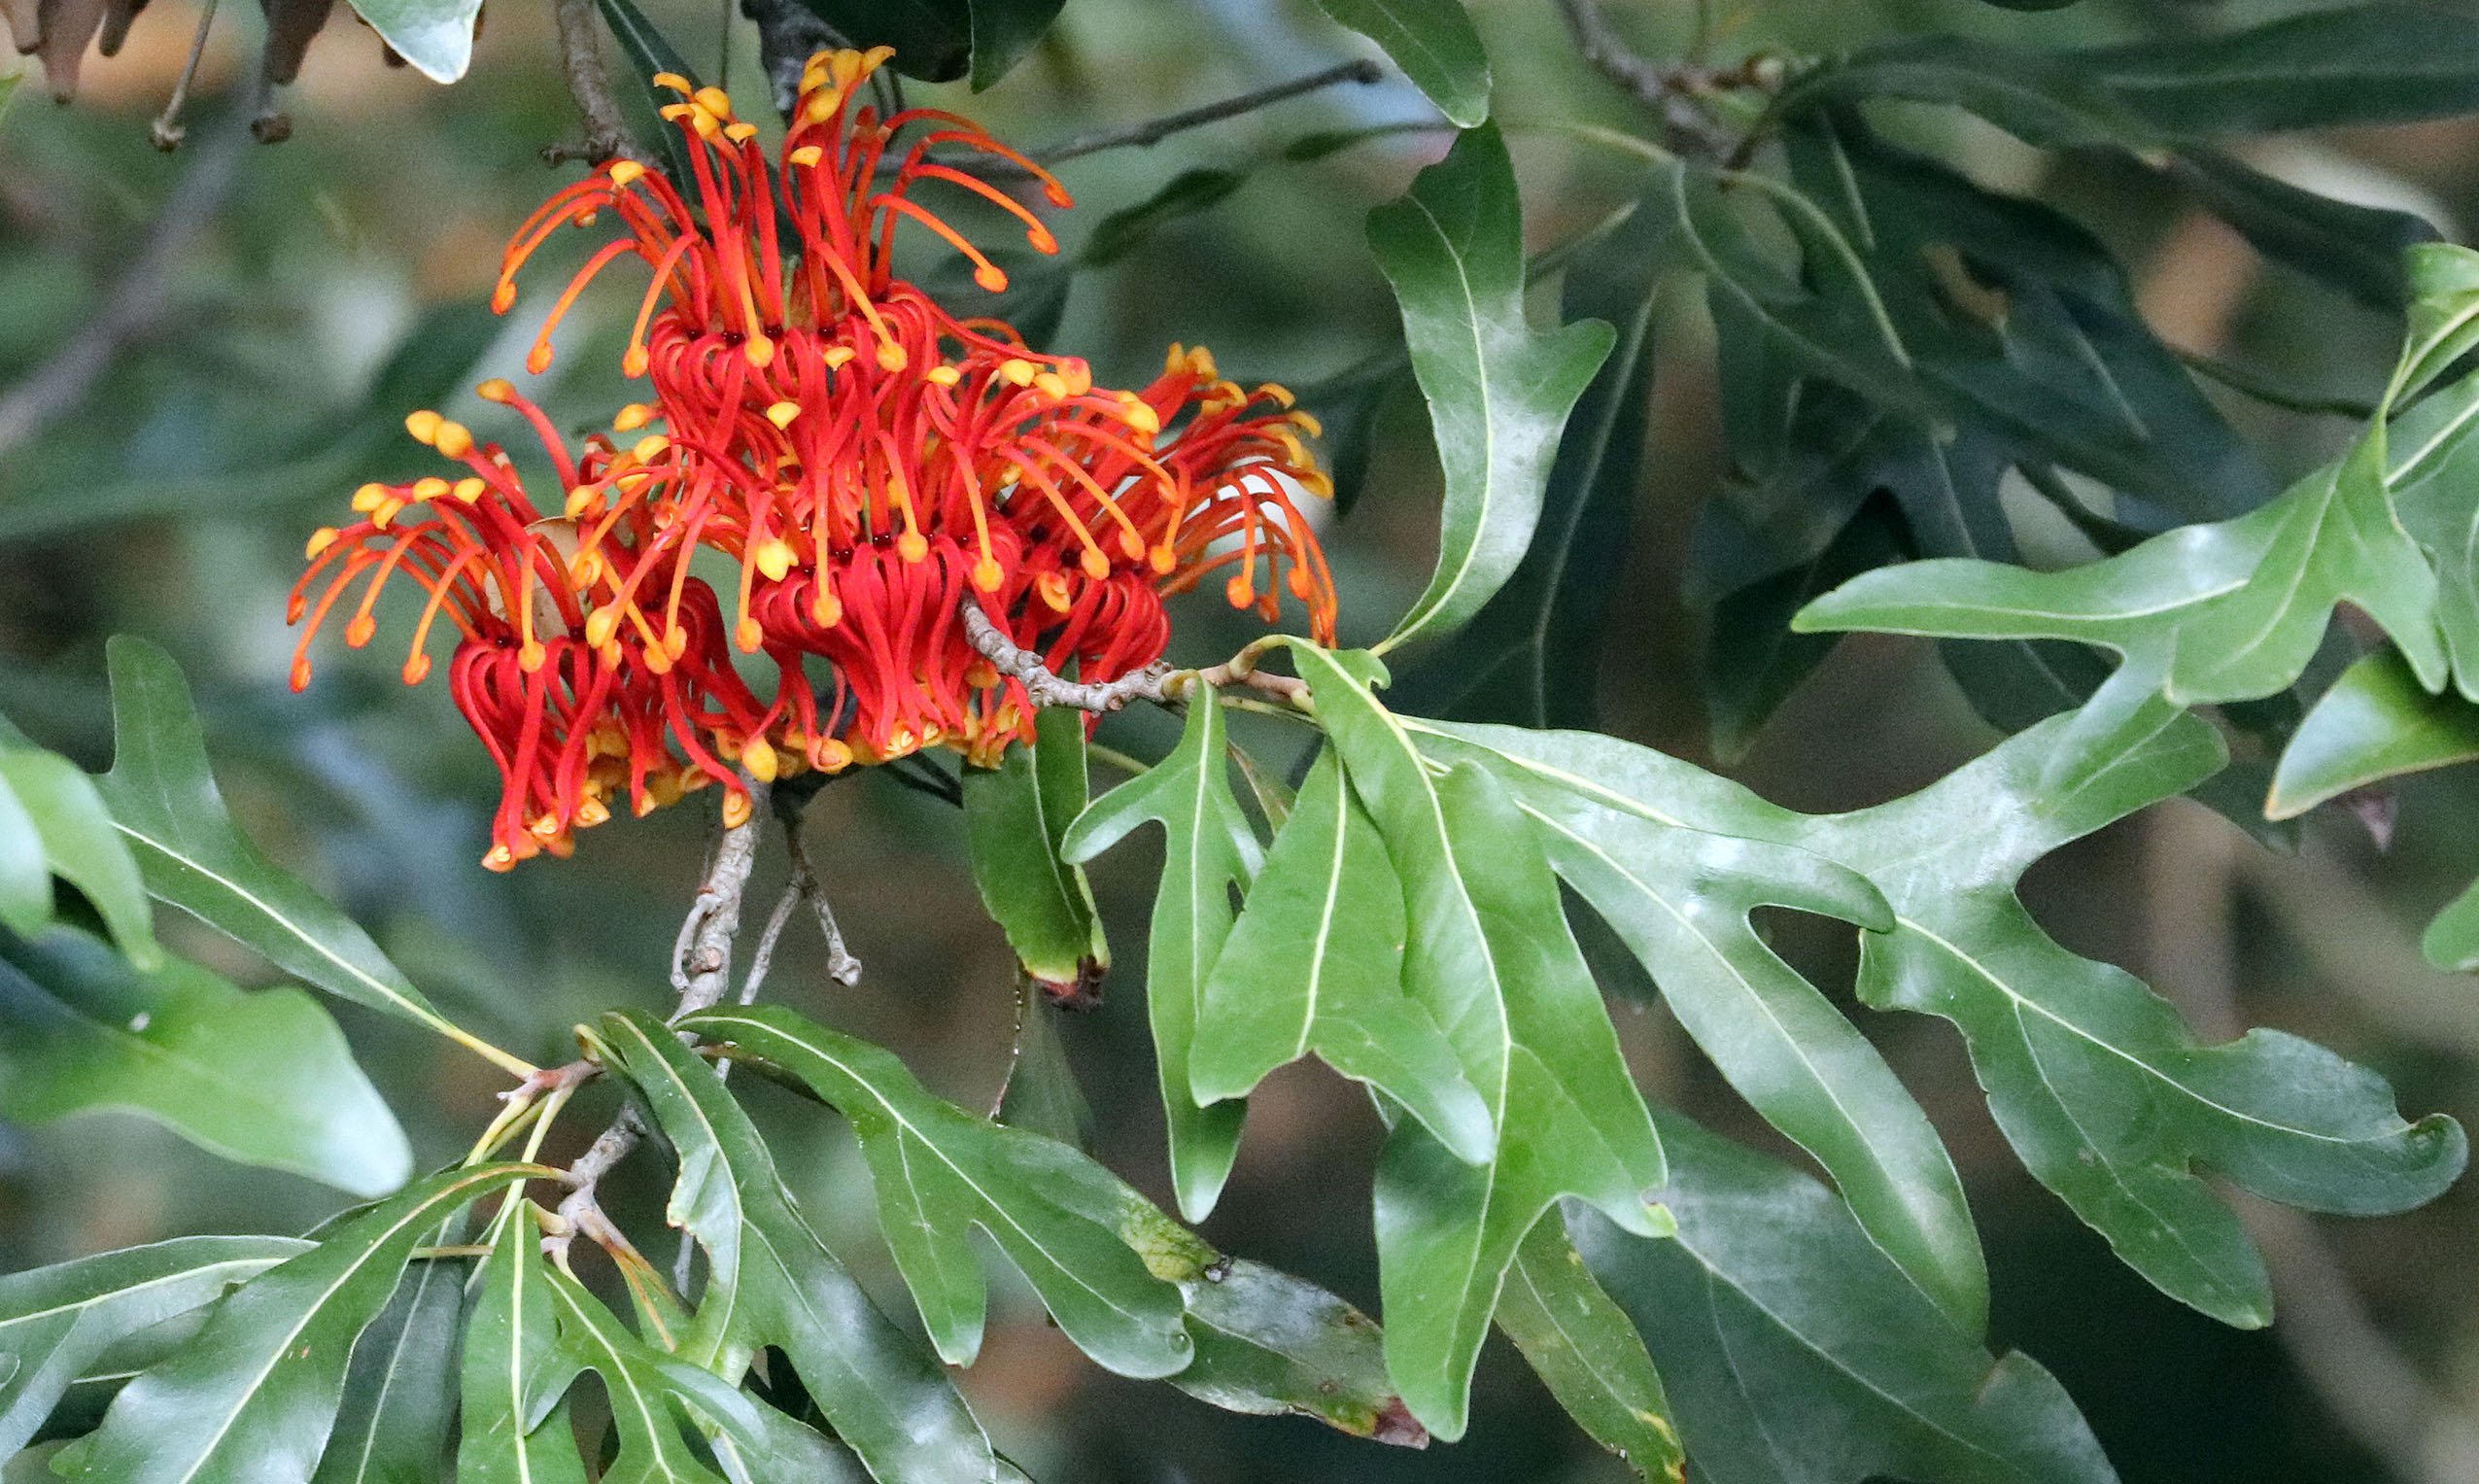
x=870, y=460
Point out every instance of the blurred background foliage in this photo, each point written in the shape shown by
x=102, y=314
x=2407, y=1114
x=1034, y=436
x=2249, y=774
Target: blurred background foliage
x=256, y=367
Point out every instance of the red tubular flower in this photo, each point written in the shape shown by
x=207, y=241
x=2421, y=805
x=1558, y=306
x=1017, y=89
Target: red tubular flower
x=571, y=708
x=858, y=449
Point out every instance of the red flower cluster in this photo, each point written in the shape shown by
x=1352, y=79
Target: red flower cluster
x=869, y=460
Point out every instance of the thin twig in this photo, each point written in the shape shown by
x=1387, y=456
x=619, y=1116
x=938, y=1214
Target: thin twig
x=1665, y=89
x=1042, y=686
x=607, y=133
x=1155, y=132
x=137, y=301
x=840, y=966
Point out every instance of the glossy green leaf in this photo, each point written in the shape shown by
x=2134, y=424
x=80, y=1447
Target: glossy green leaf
x=772, y=1281
x=435, y=36
x=1680, y=899
x=2389, y=62
x=1490, y=957
x=1794, y=1354
x=1101, y=1258
x=649, y=52
x=1316, y=966
x=2439, y=500
x=1498, y=393
x=1016, y=817
x=1586, y=1350
x=1434, y=42
x=165, y=800
x=1207, y=850
x=250, y=1399
x=2451, y=939
x=1532, y=655
x=2374, y=723
x=264, y=1078
x=400, y=1393
x=1004, y=32
x=1268, y=1343
x=56, y=1322
x=81, y=846
x=2104, y=1093
x=25, y=870
x=512, y=1415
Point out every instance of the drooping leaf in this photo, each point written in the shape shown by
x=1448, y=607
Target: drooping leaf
x=252, y=1398
x=435, y=36
x=81, y=846
x=263, y=1077
x=1680, y=899
x=1268, y=1343
x=400, y=1393
x=165, y=800
x=1584, y=1347
x=1316, y=965
x=1434, y=42
x=1101, y=1258
x=2103, y=1091
x=772, y=1281
x=2355, y=249
x=1498, y=393
x=1207, y=849
x=512, y=1413
x=1016, y=817
x=56, y=1321
x=1491, y=959
x=1795, y=1356
x=1532, y=655
x=2376, y=722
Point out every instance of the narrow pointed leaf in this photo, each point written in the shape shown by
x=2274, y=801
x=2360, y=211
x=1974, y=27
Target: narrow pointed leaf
x=1680, y=899
x=1316, y=965
x=1207, y=849
x=1268, y=1343
x=772, y=1281
x=56, y=1321
x=1491, y=959
x=165, y=801
x=400, y=1393
x=26, y=870
x=250, y=1399
x=1434, y=42
x=263, y=1076
x=1102, y=1260
x=512, y=1418
x=1584, y=1347
x=2376, y=722
x=1015, y=815
x=1498, y=393
x=81, y=846
x=1795, y=1355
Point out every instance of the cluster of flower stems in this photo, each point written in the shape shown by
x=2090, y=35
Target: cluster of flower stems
x=860, y=463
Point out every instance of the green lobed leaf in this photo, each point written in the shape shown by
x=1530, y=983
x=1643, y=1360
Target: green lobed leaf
x=163, y=798
x=1316, y=965
x=1271, y=1344
x=252, y=1398
x=1498, y=393
x=264, y=1078
x=1015, y=815
x=1680, y=899
x=1490, y=958
x=400, y=1393
x=1102, y=1260
x=1533, y=653
x=1207, y=849
x=434, y=36
x=1434, y=42
x=1795, y=1356
x=1586, y=1349
x=2376, y=722
x=512, y=1413
x=772, y=1281
x=81, y=846
x=56, y=1322
x=2103, y=1091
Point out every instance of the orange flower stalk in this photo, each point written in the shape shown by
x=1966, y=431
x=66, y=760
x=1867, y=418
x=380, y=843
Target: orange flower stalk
x=571, y=711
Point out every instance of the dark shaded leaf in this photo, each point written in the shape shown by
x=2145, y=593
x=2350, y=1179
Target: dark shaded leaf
x=2355, y=249
x=1434, y=42
x=1584, y=1347
x=400, y=1393
x=1016, y=817
x=1268, y=1343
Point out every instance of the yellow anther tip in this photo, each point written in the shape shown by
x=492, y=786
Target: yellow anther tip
x=496, y=390
x=912, y=546
x=740, y=133
x=805, y=155
x=760, y=350
x=631, y=417
x=672, y=80
x=469, y=489
x=773, y=556
x=988, y=575
x=944, y=375
x=748, y=636
x=759, y=758
x=891, y=357
x=320, y=541
x=650, y=447
x=993, y=277
x=424, y=425
x=626, y=173
x=453, y=440
x=781, y=414
x=735, y=809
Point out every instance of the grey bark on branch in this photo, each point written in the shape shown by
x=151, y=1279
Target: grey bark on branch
x=607, y=132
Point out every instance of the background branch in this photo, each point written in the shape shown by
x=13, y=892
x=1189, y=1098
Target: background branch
x=607, y=132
